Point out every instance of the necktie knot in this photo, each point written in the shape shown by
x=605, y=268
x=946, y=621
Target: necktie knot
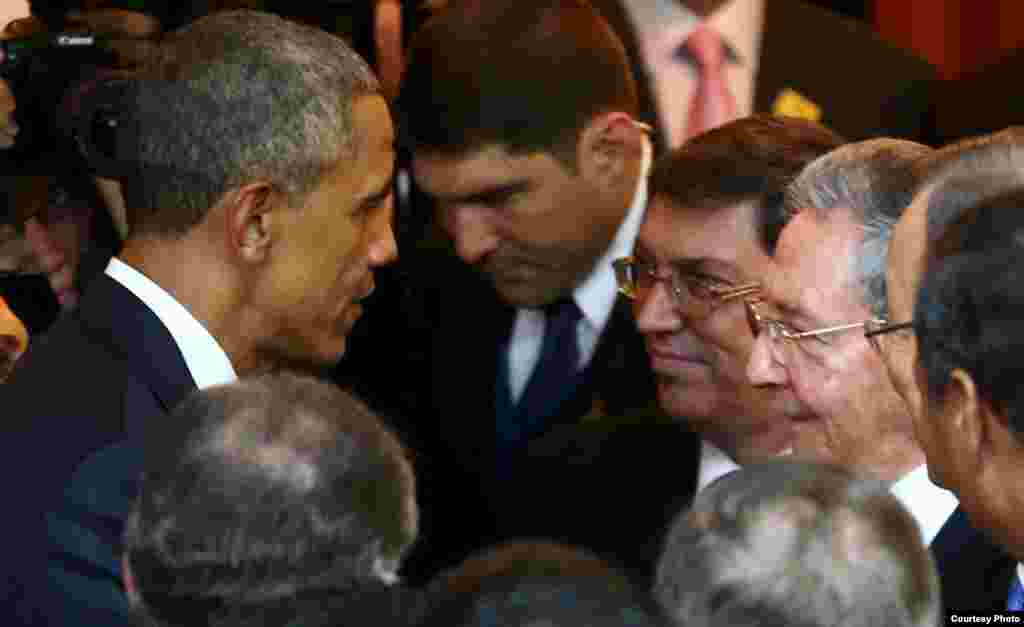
x=707, y=48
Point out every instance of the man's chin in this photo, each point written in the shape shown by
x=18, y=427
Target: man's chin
x=523, y=294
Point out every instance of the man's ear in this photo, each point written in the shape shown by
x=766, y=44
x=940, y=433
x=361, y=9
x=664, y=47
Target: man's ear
x=963, y=425
x=607, y=146
x=248, y=214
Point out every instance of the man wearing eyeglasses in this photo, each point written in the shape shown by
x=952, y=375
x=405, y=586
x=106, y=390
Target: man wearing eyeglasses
x=697, y=257
x=810, y=319
x=954, y=180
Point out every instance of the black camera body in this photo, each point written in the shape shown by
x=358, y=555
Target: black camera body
x=41, y=71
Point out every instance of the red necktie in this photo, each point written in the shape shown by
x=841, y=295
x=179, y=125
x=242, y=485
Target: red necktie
x=712, y=103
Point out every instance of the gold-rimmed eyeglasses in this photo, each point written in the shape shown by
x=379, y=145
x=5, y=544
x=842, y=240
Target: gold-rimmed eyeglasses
x=696, y=295
x=777, y=329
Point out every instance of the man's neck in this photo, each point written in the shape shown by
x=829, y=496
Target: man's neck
x=200, y=284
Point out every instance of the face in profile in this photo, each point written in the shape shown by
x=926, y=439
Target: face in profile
x=699, y=354
x=323, y=264
x=899, y=349
x=531, y=226
x=856, y=418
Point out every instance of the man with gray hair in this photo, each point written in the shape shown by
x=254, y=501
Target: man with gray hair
x=258, y=207
x=786, y=543
x=827, y=285
x=296, y=501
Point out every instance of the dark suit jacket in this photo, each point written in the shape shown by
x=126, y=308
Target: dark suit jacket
x=73, y=419
x=985, y=100
x=864, y=86
x=974, y=572
x=426, y=355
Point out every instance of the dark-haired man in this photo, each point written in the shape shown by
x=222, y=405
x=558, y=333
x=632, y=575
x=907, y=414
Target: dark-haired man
x=322, y=506
x=522, y=121
x=242, y=258
x=700, y=252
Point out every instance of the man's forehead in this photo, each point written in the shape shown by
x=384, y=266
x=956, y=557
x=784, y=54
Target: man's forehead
x=720, y=237
x=461, y=174
x=812, y=258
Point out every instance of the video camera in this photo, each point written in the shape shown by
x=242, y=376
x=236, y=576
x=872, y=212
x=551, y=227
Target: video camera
x=41, y=71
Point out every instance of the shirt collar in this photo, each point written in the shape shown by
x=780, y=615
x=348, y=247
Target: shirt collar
x=714, y=463
x=929, y=504
x=205, y=359
x=595, y=296
x=664, y=20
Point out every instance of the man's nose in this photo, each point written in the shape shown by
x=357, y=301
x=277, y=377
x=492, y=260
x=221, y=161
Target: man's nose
x=655, y=310
x=383, y=248
x=764, y=368
x=472, y=230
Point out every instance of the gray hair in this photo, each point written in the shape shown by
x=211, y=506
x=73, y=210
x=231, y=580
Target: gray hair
x=238, y=96
x=873, y=181
x=788, y=543
x=969, y=172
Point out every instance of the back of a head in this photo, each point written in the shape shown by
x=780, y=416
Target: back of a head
x=548, y=602
x=797, y=544
x=749, y=160
x=279, y=487
x=527, y=75
x=233, y=97
x=971, y=302
x=524, y=559
x=962, y=175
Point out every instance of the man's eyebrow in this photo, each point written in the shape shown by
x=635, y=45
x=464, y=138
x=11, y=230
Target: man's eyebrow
x=498, y=191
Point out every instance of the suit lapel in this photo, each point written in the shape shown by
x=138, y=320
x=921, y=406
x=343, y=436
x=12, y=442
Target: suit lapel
x=473, y=325
x=115, y=317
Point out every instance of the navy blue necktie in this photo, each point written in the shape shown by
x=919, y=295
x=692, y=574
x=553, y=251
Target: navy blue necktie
x=553, y=380
x=1015, y=600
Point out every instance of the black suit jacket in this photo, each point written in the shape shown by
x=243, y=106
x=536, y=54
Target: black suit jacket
x=75, y=412
x=432, y=368
x=864, y=86
x=974, y=572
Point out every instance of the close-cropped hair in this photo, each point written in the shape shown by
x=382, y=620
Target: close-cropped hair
x=235, y=97
x=970, y=305
x=749, y=160
x=787, y=543
x=263, y=490
x=965, y=173
x=525, y=75
x=873, y=181
x=549, y=601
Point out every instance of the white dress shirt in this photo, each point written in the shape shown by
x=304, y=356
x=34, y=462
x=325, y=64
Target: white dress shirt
x=929, y=504
x=205, y=359
x=595, y=297
x=662, y=26
x=714, y=463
